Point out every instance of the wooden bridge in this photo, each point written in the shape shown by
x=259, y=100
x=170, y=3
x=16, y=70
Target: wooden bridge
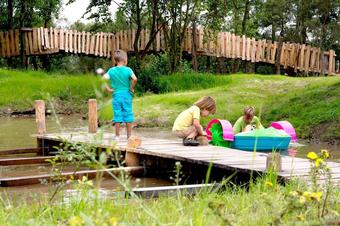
x=39, y=41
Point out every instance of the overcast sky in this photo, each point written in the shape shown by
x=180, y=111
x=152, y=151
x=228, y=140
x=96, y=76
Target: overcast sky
x=74, y=11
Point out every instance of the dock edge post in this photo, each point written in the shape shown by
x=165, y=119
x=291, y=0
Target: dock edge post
x=93, y=119
x=39, y=106
x=132, y=159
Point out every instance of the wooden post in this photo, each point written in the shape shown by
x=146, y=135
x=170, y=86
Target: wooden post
x=132, y=159
x=93, y=116
x=40, y=116
x=274, y=162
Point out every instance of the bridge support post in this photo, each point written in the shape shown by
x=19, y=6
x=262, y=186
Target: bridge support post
x=93, y=119
x=39, y=106
x=274, y=162
x=132, y=159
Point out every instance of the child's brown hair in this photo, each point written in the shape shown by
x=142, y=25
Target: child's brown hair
x=120, y=55
x=207, y=103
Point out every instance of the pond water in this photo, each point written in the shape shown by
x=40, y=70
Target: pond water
x=17, y=133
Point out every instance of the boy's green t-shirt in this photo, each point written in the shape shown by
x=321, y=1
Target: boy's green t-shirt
x=240, y=124
x=120, y=78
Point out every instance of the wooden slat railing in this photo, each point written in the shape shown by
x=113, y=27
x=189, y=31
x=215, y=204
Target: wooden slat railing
x=37, y=41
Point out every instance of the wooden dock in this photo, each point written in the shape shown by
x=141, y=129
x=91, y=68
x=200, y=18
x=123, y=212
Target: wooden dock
x=220, y=157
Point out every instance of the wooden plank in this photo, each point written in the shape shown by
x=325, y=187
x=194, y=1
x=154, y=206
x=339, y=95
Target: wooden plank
x=302, y=58
x=30, y=40
x=7, y=44
x=88, y=43
x=61, y=39
x=42, y=38
x=200, y=40
x=330, y=62
x=79, y=42
x=248, y=49
x=35, y=40
x=24, y=160
x=105, y=44
x=92, y=43
x=253, y=50
x=96, y=52
x=244, y=47
x=51, y=38
x=70, y=41
x=258, y=51
x=56, y=38
x=238, y=47
x=39, y=40
x=307, y=58
x=83, y=41
x=17, y=42
x=36, y=179
x=108, y=45
x=101, y=44
x=66, y=47
x=2, y=45
x=75, y=41
x=12, y=42
x=154, y=192
x=27, y=46
x=19, y=151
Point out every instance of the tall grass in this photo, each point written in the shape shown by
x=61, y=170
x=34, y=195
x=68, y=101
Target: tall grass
x=19, y=89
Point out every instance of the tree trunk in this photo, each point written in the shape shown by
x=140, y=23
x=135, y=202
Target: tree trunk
x=278, y=56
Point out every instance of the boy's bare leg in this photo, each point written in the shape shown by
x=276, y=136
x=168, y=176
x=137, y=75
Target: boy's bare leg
x=117, y=128
x=192, y=134
x=128, y=129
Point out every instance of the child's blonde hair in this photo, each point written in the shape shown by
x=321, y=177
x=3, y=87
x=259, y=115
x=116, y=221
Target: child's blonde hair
x=206, y=103
x=249, y=111
x=120, y=55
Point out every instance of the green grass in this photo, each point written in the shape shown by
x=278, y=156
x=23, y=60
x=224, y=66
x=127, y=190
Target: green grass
x=261, y=204
x=19, y=89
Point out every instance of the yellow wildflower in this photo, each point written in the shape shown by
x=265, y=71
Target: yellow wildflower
x=325, y=154
x=312, y=155
x=294, y=193
x=75, y=221
x=307, y=195
x=318, y=162
x=316, y=196
x=301, y=217
x=268, y=184
x=302, y=199
x=113, y=221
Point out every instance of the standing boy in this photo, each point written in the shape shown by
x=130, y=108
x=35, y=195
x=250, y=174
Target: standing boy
x=123, y=81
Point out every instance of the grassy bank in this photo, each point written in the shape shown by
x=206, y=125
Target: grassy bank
x=19, y=89
x=311, y=104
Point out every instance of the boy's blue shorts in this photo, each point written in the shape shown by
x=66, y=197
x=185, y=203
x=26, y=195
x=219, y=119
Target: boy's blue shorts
x=122, y=107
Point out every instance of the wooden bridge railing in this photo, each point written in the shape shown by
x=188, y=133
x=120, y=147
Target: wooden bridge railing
x=38, y=41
